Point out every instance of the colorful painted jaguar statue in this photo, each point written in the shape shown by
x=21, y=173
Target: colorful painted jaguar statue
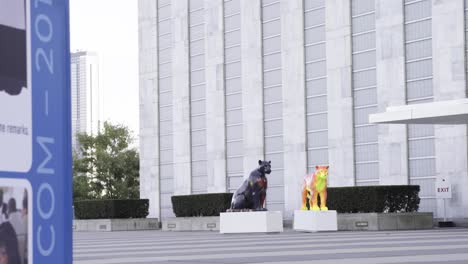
x=313, y=186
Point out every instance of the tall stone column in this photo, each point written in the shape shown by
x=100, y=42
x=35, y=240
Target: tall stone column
x=252, y=89
x=149, y=117
x=391, y=90
x=449, y=79
x=294, y=108
x=215, y=100
x=339, y=93
x=181, y=98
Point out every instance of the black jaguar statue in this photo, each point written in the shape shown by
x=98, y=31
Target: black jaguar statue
x=252, y=193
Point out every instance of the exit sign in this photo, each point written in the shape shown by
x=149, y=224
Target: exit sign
x=443, y=189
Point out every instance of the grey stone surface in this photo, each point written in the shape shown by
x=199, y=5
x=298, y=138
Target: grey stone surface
x=423, y=246
x=448, y=50
x=449, y=80
x=390, y=56
x=181, y=99
x=294, y=108
x=215, y=99
x=424, y=222
x=405, y=222
x=105, y=225
x=252, y=90
x=385, y=221
x=149, y=122
x=207, y=223
x=358, y=221
x=339, y=93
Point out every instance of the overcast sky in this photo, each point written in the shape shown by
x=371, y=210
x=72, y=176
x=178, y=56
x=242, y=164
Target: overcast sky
x=110, y=28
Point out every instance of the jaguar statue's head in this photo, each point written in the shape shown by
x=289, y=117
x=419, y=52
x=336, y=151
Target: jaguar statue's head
x=264, y=166
x=321, y=172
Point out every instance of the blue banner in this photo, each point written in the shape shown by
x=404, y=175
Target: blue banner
x=35, y=132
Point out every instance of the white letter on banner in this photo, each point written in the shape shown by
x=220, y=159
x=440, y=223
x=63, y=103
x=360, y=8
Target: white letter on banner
x=42, y=142
x=46, y=186
x=46, y=252
x=36, y=3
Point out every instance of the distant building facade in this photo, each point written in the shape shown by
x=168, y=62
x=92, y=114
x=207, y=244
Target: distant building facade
x=86, y=95
x=224, y=83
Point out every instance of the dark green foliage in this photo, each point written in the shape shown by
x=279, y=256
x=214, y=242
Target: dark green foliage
x=81, y=189
x=210, y=204
x=374, y=199
x=99, y=209
x=106, y=166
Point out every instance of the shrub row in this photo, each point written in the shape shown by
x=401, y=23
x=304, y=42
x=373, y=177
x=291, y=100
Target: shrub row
x=99, y=209
x=378, y=199
x=210, y=204
x=360, y=199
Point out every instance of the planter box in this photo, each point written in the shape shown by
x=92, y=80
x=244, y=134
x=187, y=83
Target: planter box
x=207, y=223
x=385, y=221
x=314, y=221
x=251, y=222
x=132, y=224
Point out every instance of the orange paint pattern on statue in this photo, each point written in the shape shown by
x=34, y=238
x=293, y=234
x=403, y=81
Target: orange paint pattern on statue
x=315, y=185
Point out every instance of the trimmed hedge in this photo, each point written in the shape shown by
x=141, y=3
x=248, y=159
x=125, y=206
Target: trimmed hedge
x=210, y=204
x=359, y=199
x=104, y=209
x=374, y=199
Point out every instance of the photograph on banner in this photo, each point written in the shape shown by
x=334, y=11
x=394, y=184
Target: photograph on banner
x=15, y=87
x=15, y=221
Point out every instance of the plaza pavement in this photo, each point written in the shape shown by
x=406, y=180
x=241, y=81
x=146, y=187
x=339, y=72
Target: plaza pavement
x=424, y=246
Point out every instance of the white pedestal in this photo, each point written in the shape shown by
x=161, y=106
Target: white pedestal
x=251, y=222
x=314, y=221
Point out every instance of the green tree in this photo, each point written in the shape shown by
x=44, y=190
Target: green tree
x=81, y=189
x=106, y=167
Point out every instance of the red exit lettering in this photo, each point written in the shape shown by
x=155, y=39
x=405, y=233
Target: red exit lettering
x=443, y=189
